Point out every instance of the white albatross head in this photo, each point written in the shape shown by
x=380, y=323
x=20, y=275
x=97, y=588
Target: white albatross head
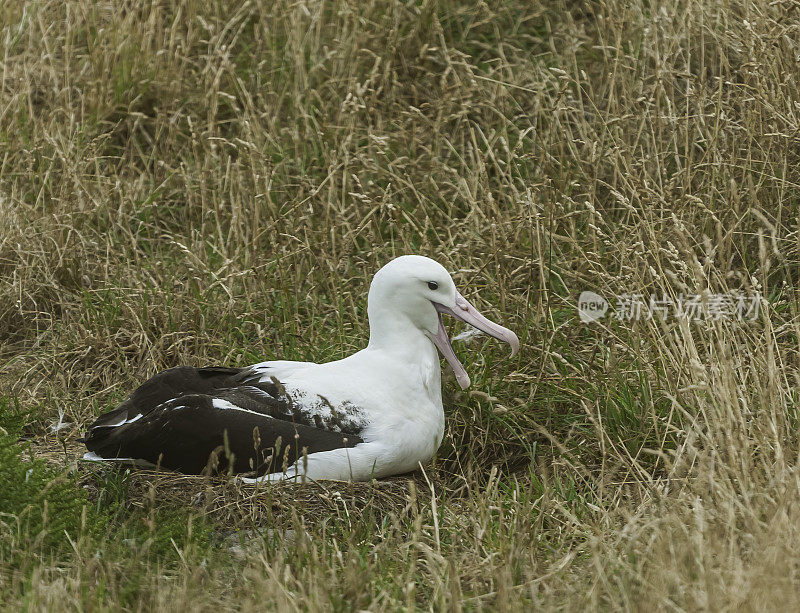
x=416, y=290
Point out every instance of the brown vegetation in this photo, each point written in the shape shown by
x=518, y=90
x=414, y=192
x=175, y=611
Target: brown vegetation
x=188, y=182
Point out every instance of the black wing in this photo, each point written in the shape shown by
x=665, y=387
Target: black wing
x=194, y=419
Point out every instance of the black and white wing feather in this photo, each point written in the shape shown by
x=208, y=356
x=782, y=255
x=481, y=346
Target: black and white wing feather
x=196, y=420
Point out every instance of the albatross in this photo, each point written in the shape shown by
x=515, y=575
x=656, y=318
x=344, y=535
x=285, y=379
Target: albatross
x=373, y=414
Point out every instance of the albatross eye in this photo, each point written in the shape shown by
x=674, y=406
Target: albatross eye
x=433, y=285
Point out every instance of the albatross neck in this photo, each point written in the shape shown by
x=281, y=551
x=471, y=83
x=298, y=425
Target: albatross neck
x=394, y=333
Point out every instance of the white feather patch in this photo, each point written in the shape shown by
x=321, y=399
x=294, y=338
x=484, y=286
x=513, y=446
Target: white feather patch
x=91, y=456
x=219, y=403
x=121, y=422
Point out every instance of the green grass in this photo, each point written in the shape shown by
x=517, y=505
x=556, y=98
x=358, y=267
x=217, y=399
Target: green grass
x=47, y=514
x=40, y=509
x=216, y=183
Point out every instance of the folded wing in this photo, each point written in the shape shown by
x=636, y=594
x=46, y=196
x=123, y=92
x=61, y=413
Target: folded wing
x=196, y=420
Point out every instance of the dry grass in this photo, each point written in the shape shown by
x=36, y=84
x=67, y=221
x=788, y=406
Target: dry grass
x=192, y=183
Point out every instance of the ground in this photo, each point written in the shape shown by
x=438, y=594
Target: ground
x=214, y=183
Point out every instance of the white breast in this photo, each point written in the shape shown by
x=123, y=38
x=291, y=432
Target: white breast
x=398, y=401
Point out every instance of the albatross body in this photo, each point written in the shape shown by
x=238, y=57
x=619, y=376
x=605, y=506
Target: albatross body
x=373, y=414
